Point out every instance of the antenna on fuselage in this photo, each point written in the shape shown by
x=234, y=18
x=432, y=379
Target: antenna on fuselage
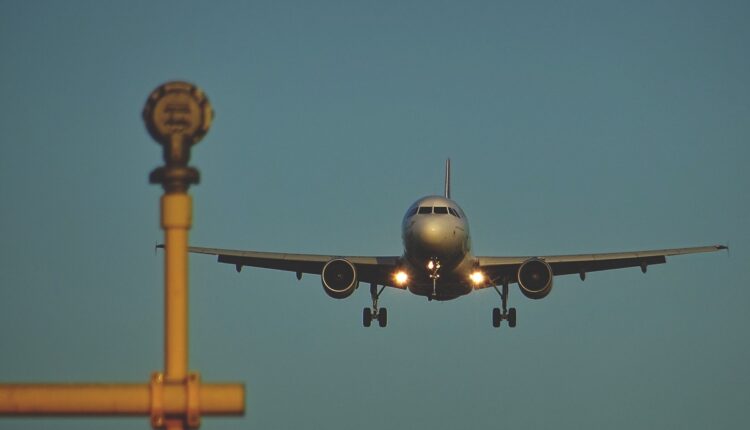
x=448, y=178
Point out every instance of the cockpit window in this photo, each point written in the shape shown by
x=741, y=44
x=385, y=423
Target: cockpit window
x=411, y=212
x=425, y=210
x=454, y=212
x=441, y=210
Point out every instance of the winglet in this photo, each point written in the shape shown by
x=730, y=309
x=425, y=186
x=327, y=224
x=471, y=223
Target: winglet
x=448, y=178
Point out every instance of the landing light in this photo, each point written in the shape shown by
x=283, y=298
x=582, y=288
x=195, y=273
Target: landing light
x=400, y=277
x=477, y=277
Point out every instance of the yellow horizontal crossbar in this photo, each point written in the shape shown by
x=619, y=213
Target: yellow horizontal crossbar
x=116, y=399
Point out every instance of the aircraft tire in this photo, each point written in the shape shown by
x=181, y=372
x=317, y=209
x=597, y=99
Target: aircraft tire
x=496, y=317
x=512, y=317
x=383, y=317
x=366, y=317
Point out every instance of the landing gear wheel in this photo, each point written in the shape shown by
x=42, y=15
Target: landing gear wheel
x=375, y=312
x=512, y=317
x=499, y=315
x=496, y=317
x=383, y=317
x=367, y=317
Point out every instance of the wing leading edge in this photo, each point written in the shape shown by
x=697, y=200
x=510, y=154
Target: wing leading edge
x=498, y=268
x=376, y=270
x=379, y=270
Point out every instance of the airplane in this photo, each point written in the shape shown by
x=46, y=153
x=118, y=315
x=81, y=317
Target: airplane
x=438, y=263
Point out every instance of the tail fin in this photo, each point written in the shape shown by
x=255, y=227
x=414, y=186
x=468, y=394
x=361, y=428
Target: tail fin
x=448, y=178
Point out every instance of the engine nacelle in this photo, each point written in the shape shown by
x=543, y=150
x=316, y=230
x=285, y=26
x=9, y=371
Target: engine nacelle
x=535, y=278
x=339, y=278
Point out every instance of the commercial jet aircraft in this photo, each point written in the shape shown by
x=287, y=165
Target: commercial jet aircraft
x=437, y=263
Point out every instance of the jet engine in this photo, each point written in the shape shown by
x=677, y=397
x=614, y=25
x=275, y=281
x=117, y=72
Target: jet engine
x=535, y=278
x=339, y=278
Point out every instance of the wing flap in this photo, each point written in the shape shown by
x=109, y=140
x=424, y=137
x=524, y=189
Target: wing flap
x=269, y=263
x=570, y=267
x=491, y=261
x=499, y=268
x=370, y=269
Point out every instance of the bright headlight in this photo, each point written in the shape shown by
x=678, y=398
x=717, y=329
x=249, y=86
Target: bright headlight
x=400, y=277
x=477, y=277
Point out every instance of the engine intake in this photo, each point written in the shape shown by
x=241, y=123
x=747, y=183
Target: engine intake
x=339, y=278
x=535, y=278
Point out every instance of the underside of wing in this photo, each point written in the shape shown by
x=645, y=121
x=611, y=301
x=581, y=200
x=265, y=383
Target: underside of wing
x=377, y=270
x=501, y=269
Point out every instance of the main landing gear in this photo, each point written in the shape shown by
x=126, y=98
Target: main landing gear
x=380, y=314
x=506, y=314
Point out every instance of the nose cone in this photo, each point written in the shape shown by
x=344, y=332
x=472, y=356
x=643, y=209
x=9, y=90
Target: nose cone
x=433, y=237
x=431, y=234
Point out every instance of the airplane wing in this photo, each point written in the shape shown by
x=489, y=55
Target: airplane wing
x=377, y=270
x=499, y=268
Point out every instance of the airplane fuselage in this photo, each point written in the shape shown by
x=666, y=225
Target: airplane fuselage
x=434, y=231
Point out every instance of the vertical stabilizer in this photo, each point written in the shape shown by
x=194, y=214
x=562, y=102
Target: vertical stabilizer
x=448, y=178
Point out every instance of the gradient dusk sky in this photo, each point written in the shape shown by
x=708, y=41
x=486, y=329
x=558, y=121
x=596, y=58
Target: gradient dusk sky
x=582, y=126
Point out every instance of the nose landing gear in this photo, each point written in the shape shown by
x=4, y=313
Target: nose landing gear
x=506, y=314
x=434, y=267
x=379, y=314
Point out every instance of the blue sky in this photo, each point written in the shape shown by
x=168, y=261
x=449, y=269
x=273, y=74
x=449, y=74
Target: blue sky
x=579, y=127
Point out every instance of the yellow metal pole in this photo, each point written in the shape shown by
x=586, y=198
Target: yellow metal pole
x=177, y=115
x=176, y=220
x=175, y=211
